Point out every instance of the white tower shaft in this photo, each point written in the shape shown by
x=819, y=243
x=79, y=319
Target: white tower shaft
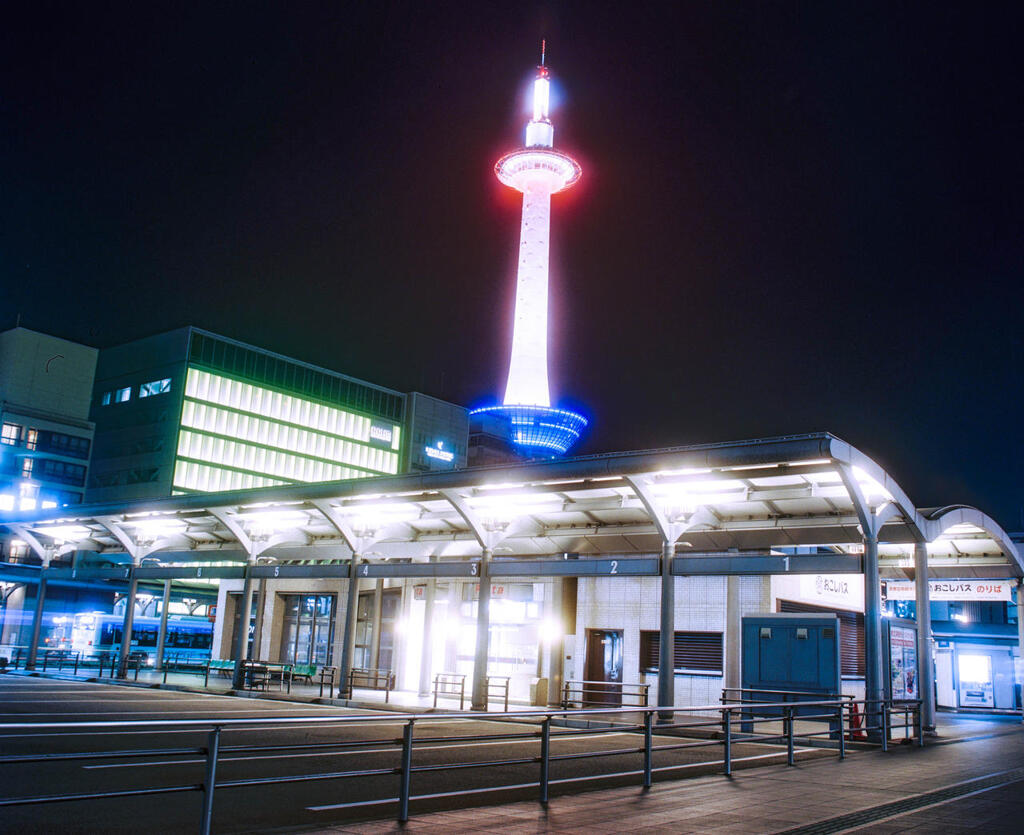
x=528, y=369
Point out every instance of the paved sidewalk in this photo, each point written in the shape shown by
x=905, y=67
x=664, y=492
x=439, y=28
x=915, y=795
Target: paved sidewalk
x=974, y=783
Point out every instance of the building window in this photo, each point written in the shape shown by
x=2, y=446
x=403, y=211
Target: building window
x=123, y=395
x=143, y=475
x=32, y=438
x=155, y=387
x=308, y=629
x=11, y=434
x=851, y=635
x=26, y=467
x=105, y=400
x=692, y=652
x=61, y=471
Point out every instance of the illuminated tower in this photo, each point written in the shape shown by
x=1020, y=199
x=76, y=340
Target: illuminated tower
x=538, y=171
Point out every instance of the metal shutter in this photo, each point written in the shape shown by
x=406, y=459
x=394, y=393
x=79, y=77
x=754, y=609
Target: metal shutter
x=851, y=634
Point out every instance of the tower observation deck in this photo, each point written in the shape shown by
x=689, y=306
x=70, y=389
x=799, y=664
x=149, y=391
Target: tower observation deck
x=538, y=171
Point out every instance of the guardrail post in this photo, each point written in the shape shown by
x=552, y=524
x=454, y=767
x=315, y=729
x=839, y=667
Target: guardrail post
x=920, y=725
x=884, y=717
x=789, y=735
x=545, y=758
x=648, y=747
x=842, y=733
x=405, y=777
x=727, y=733
x=209, y=782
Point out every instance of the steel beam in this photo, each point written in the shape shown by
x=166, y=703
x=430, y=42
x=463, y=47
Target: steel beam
x=717, y=566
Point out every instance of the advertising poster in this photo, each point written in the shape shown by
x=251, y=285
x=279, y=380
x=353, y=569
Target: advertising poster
x=903, y=662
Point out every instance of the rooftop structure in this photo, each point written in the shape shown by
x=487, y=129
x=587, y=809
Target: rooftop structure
x=190, y=411
x=538, y=171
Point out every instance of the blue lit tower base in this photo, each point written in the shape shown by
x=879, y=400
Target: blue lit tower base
x=538, y=431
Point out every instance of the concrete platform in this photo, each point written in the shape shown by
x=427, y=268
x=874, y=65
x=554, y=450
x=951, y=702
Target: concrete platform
x=971, y=781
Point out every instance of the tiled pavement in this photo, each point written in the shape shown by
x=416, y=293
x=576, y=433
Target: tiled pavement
x=814, y=796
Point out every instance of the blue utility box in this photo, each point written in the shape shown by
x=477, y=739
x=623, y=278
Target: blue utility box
x=796, y=653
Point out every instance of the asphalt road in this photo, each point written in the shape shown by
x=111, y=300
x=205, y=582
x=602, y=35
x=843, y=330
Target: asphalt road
x=307, y=804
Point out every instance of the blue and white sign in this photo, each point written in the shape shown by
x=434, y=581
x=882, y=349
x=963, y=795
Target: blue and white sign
x=439, y=453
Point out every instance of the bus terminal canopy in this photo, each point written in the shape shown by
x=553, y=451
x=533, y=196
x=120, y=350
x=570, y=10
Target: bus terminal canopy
x=738, y=507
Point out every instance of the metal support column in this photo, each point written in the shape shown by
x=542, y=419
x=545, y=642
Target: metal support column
x=348, y=645
x=925, y=665
x=733, y=632
x=1020, y=636
x=261, y=605
x=244, y=612
x=427, y=648
x=556, y=651
x=378, y=605
x=483, y=632
x=126, y=627
x=37, y=621
x=666, y=641
x=161, y=638
x=874, y=683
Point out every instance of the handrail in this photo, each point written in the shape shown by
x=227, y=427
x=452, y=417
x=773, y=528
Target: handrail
x=836, y=713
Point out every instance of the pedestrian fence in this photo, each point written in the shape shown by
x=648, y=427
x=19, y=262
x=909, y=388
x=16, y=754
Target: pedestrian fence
x=656, y=729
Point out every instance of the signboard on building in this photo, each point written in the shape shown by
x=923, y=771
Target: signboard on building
x=953, y=590
x=903, y=662
x=843, y=591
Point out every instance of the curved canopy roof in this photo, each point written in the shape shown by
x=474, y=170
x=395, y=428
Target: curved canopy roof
x=749, y=496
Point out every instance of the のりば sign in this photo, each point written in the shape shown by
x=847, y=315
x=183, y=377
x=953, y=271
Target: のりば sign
x=952, y=590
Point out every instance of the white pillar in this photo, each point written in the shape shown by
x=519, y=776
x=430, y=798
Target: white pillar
x=427, y=647
x=483, y=633
x=161, y=639
x=733, y=632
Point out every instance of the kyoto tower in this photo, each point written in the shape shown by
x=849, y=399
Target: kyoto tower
x=538, y=171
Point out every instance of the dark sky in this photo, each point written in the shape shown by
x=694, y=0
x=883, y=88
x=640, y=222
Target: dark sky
x=793, y=216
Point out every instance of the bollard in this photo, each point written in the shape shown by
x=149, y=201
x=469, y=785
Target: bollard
x=209, y=782
x=842, y=734
x=405, y=777
x=648, y=748
x=727, y=731
x=545, y=758
x=884, y=717
x=789, y=736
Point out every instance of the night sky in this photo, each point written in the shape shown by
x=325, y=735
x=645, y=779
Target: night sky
x=793, y=216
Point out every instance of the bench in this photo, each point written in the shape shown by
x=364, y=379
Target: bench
x=224, y=666
x=371, y=679
x=183, y=663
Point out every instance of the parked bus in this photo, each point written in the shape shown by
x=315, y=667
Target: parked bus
x=188, y=638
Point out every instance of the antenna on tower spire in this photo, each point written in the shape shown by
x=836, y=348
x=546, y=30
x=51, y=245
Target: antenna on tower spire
x=543, y=49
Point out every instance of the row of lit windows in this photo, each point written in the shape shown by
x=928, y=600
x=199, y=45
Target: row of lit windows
x=282, y=373
x=123, y=395
x=260, y=459
x=269, y=433
x=191, y=475
x=202, y=385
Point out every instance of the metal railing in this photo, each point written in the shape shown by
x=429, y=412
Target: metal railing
x=371, y=678
x=833, y=713
x=450, y=684
x=585, y=694
x=498, y=686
